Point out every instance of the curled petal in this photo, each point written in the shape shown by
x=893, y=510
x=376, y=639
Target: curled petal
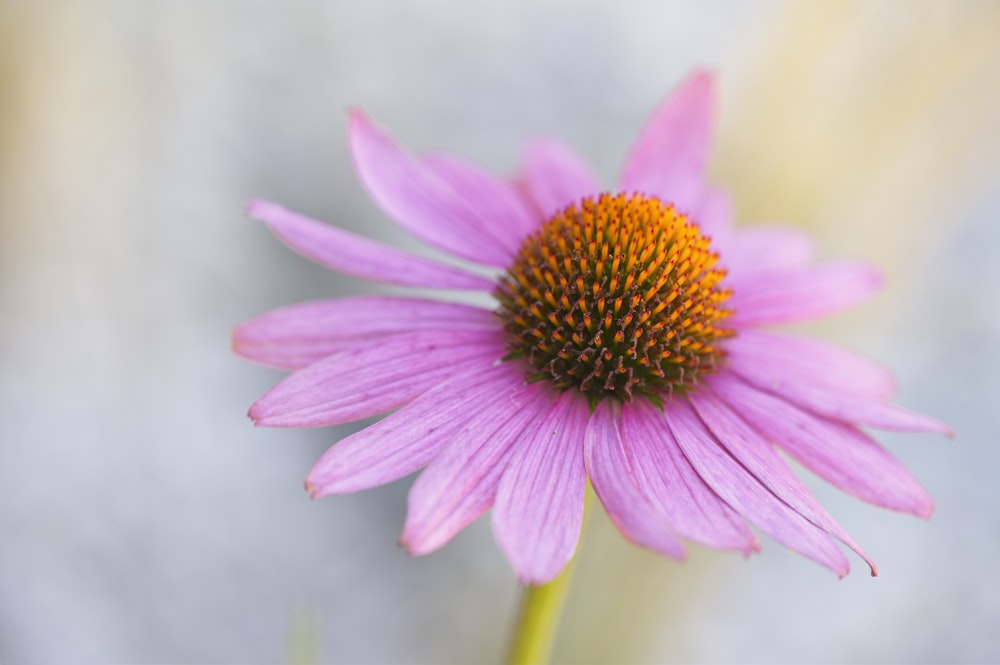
x=363, y=382
x=539, y=502
x=754, y=453
x=745, y=492
x=615, y=485
x=353, y=255
x=800, y=294
x=836, y=452
x=299, y=335
x=436, y=200
x=668, y=159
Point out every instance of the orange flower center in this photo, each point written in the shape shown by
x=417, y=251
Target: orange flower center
x=616, y=296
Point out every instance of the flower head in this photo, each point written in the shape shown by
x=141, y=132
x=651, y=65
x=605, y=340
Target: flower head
x=626, y=346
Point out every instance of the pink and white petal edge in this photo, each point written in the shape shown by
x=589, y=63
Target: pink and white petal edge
x=298, y=335
x=351, y=254
x=363, y=382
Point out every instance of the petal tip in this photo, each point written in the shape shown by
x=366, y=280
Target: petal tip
x=703, y=79
x=260, y=209
x=259, y=415
x=412, y=548
x=359, y=128
x=875, y=277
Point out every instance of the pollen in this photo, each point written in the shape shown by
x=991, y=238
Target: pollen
x=616, y=296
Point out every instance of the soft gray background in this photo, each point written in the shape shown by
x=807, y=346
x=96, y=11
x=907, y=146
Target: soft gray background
x=144, y=520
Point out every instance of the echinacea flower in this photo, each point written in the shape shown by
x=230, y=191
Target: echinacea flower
x=627, y=345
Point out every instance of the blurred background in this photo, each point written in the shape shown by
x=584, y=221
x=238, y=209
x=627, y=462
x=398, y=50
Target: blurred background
x=143, y=519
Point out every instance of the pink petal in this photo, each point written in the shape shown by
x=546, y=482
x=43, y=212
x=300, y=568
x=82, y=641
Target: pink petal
x=362, y=382
x=555, y=176
x=848, y=407
x=714, y=217
x=408, y=439
x=838, y=453
x=510, y=215
x=755, y=454
x=430, y=201
x=539, y=502
x=668, y=159
x=744, y=491
x=811, y=362
x=351, y=254
x=665, y=476
x=768, y=248
x=299, y=335
x=460, y=483
x=801, y=294
x=615, y=485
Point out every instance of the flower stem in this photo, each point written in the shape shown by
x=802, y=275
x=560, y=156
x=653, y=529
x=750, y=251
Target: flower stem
x=538, y=616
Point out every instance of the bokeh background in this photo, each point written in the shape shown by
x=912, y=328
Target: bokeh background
x=143, y=519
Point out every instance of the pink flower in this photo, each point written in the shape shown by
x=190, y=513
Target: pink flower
x=622, y=348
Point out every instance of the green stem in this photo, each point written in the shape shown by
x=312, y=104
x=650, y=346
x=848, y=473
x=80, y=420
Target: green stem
x=538, y=616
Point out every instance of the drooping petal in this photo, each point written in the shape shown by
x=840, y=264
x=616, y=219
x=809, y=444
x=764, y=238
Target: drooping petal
x=668, y=159
x=408, y=439
x=837, y=405
x=768, y=248
x=299, y=335
x=794, y=295
x=348, y=253
x=366, y=381
x=555, y=176
x=840, y=454
x=812, y=362
x=665, y=476
x=636, y=518
x=429, y=200
x=460, y=483
x=745, y=492
x=755, y=454
x=539, y=502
